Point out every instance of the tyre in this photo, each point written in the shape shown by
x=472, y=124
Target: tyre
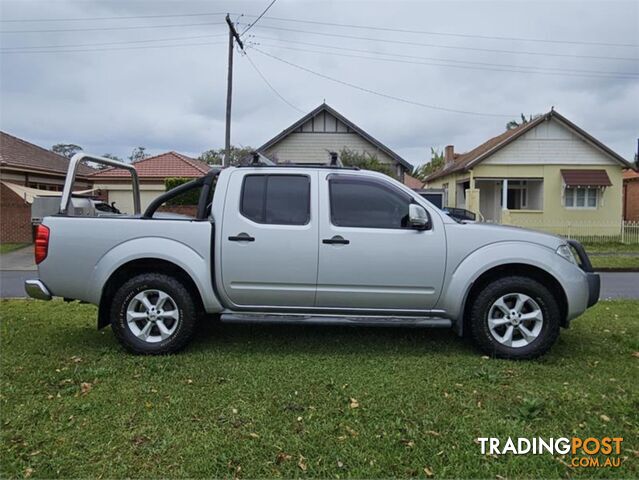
x=514, y=317
x=153, y=314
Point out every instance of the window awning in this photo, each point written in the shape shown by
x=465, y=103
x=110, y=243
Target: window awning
x=586, y=178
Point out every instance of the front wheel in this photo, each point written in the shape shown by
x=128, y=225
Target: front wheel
x=515, y=317
x=153, y=313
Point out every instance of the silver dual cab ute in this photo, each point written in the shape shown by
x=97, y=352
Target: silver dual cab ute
x=308, y=244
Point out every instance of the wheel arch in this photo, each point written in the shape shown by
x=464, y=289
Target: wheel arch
x=143, y=265
x=513, y=269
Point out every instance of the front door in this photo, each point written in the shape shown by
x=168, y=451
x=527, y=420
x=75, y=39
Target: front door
x=269, y=239
x=369, y=258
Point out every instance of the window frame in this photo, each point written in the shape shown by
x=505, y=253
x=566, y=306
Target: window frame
x=370, y=180
x=585, y=206
x=265, y=195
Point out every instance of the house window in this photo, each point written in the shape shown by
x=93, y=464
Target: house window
x=581, y=197
x=517, y=194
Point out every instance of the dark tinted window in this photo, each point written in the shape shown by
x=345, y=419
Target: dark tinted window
x=358, y=202
x=276, y=199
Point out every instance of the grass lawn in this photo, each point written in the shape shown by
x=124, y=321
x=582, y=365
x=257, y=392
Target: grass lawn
x=10, y=247
x=611, y=247
x=614, y=261
x=267, y=401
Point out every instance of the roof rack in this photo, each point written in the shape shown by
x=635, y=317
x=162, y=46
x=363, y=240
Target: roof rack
x=260, y=160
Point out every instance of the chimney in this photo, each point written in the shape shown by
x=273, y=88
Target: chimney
x=449, y=154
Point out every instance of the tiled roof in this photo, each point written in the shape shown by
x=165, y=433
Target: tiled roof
x=412, y=182
x=20, y=154
x=169, y=164
x=467, y=160
x=630, y=174
x=586, y=178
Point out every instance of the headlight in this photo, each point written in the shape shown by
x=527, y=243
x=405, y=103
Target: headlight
x=565, y=252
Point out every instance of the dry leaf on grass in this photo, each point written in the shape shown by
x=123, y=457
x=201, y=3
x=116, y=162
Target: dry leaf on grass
x=254, y=435
x=428, y=472
x=28, y=472
x=605, y=418
x=282, y=457
x=353, y=403
x=85, y=387
x=302, y=464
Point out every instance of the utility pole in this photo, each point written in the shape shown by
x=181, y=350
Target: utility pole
x=229, y=88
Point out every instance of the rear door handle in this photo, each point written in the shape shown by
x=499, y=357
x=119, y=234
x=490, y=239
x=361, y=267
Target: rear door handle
x=336, y=240
x=241, y=237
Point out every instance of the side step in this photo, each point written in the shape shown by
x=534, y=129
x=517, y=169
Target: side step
x=321, y=319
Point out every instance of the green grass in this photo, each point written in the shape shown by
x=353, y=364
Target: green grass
x=611, y=247
x=267, y=401
x=615, y=261
x=10, y=247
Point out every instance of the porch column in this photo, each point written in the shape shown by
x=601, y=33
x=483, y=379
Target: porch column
x=504, y=194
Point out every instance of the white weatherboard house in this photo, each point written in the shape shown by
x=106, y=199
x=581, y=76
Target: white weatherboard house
x=324, y=130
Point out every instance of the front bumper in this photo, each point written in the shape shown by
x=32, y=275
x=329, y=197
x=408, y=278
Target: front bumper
x=37, y=289
x=594, y=282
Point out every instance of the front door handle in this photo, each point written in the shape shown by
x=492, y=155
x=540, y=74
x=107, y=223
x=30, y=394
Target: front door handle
x=336, y=240
x=241, y=237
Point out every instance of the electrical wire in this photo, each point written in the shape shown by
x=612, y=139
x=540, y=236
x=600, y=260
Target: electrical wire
x=453, y=47
x=89, y=19
x=250, y=25
x=140, y=47
x=95, y=29
x=126, y=42
x=380, y=94
x=449, y=34
x=438, y=59
x=271, y=86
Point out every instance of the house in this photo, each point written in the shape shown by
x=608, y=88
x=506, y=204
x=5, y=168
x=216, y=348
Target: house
x=324, y=130
x=23, y=168
x=152, y=171
x=631, y=195
x=545, y=173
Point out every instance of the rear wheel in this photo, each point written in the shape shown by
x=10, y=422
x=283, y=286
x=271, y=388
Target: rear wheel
x=153, y=313
x=515, y=317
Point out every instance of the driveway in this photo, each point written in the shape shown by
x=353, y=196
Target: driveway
x=18, y=260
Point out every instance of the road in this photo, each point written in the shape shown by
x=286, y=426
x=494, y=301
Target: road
x=613, y=284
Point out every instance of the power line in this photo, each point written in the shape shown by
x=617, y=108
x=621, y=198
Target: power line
x=126, y=42
x=128, y=17
x=343, y=25
x=438, y=59
x=140, y=47
x=380, y=94
x=454, y=47
x=271, y=86
x=450, y=34
x=250, y=25
x=95, y=29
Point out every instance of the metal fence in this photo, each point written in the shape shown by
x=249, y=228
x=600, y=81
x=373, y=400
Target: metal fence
x=591, y=232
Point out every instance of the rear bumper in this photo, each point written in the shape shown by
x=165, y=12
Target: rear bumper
x=37, y=289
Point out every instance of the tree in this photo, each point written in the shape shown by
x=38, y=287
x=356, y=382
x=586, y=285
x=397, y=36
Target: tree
x=514, y=123
x=365, y=161
x=67, y=150
x=215, y=156
x=435, y=163
x=112, y=157
x=138, y=154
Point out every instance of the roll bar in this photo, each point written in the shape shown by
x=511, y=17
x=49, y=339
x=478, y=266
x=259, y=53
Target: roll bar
x=73, y=168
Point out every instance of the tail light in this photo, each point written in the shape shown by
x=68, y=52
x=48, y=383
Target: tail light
x=41, y=243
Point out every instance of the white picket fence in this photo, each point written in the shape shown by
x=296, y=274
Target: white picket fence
x=591, y=232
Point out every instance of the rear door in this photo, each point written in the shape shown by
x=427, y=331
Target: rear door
x=369, y=258
x=270, y=238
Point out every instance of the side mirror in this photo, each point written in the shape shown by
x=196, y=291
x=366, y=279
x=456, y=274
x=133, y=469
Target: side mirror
x=417, y=217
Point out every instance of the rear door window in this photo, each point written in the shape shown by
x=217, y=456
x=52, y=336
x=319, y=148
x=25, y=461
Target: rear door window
x=276, y=199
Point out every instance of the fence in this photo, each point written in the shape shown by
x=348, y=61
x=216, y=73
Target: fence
x=590, y=232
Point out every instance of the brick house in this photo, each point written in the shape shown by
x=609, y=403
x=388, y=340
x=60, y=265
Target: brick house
x=631, y=195
x=115, y=183
x=23, y=164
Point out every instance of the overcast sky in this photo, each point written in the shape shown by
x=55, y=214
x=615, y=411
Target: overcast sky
x=110, y=84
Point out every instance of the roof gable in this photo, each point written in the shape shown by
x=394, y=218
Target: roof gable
x=326, y=119
x=169, y=164
x=20, y=154
x=467, y=160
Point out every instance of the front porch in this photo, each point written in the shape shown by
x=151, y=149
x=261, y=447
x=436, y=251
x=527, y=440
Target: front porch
x=504, y=200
